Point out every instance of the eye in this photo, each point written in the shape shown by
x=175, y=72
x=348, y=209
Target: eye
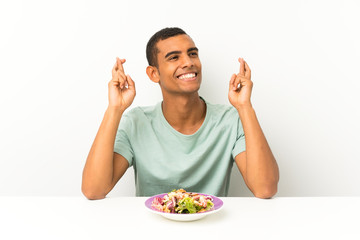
x=175, y=57
x=193, y=54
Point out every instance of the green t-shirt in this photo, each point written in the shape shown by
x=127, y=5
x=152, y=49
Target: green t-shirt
x=165, y=159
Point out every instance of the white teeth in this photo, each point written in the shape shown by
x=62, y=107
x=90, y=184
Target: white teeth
x=188, y=75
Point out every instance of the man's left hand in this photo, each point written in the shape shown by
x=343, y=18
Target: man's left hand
x=240, y=86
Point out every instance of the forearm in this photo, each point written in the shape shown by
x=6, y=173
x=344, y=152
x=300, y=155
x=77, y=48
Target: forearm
x=262, y=172
x=98, y=171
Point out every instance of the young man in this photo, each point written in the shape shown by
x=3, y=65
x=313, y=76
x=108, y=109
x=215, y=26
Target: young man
x=184, y=141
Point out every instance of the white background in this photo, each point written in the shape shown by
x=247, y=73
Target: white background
x=56, y=59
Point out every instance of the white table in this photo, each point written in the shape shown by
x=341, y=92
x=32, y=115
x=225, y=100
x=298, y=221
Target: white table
x=127, y=218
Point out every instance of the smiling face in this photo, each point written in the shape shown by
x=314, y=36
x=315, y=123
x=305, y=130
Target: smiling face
x=179, y=66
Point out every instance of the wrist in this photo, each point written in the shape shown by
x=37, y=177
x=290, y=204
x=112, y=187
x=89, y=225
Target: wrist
x=115, y=110
x=244, y=107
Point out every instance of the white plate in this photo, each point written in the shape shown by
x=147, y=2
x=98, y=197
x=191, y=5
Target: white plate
x=218, y=203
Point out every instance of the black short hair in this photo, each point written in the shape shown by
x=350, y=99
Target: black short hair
x=151, y=49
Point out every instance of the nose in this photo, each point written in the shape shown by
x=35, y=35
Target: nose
x=187, y=62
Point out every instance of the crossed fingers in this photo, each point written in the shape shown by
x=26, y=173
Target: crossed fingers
x=118, y=74
x=243, y=77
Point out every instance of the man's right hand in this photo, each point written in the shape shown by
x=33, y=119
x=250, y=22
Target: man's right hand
x=121, y=87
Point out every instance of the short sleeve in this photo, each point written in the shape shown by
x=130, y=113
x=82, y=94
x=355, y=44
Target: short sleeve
x=122, y=144
x=239, y=145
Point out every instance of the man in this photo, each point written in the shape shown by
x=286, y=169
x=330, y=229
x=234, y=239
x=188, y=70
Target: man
x=184, y=141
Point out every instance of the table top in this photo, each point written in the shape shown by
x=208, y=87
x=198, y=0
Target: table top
x=119, y=217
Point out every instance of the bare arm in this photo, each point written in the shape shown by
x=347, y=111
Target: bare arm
x=103, y=167
x=257, y=165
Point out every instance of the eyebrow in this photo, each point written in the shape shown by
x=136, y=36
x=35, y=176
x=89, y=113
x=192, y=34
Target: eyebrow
x=178, y=52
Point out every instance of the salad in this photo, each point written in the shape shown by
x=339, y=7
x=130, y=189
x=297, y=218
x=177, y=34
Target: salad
x=180, y=201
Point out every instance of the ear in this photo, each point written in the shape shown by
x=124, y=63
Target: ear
x=153, y=74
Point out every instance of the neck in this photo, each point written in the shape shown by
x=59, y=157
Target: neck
x=184, y=113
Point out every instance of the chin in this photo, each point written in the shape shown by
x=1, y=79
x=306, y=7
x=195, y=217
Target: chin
x=192, y=90
x=191, y=87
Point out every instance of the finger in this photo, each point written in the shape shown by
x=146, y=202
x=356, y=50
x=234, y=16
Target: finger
x=232, y=82
x=131, y=83
x=116, y=66
x=114, y=82
x=122, y=79
x=242, y=66
x=120, y=63
x=114, y=69
x=247, y=71
x=121, y=75
x=237, y=82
